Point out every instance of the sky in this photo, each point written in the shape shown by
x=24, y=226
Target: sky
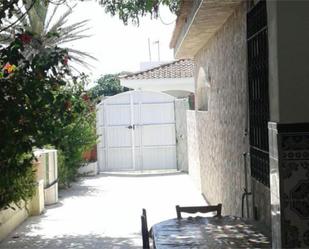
x=118, y=47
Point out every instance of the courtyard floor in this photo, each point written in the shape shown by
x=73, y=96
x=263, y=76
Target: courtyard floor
x=104, y=212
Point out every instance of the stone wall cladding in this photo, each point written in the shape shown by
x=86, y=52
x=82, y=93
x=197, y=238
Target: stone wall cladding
x=193, y=149
x=221, y=128
x=181, y=107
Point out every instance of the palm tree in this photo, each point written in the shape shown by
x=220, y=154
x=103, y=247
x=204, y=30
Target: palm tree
x=47, y=30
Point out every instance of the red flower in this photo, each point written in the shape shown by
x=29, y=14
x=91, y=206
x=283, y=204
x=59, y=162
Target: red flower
x=85, y=97
x=68, y=105
x=25, y=38
x=66, y=60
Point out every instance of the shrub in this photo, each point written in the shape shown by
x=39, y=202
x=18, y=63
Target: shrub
x=76, y=138
x=37, y=100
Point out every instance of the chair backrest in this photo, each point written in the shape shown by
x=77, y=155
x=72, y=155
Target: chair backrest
x=199, y=209
x=145, y=232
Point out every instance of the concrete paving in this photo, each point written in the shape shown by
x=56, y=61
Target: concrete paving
x=104, y=212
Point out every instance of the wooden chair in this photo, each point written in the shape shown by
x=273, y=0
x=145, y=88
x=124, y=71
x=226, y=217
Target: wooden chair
x=199, y=209
x=145, y=232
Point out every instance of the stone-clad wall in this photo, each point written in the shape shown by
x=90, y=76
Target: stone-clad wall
x=181, y=107
x=193, y=149
x=221, y=131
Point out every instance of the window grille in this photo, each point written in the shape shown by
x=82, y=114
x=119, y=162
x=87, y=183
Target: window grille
x=257, y=45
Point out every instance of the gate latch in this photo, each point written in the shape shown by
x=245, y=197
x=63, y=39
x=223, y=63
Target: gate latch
x=131, y=127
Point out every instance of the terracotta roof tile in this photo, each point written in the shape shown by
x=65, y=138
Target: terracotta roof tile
x=183, y=68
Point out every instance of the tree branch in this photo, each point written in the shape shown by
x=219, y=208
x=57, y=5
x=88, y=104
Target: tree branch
x=20, y=18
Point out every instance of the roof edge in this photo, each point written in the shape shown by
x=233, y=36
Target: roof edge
x=182, y=18
x=203, y=20
x=127, y=77
x=186, y=28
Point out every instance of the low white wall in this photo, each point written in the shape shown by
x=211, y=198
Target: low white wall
x=10, y=219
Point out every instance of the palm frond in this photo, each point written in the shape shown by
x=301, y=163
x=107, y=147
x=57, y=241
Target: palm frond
x=82, y=54
x=60, y=40
x=48, y=22
x=80, y=61
x=74, y=33
x=76, y=37
x=75, y=26
x=48, y=31
x=24, y=19
x=68, y=31
x=5, y=39
x=62, y=20
x=8, y=35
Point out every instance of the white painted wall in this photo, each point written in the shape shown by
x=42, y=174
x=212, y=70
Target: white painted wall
x=160, y=85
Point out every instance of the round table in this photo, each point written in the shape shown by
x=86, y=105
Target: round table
x=208, y=232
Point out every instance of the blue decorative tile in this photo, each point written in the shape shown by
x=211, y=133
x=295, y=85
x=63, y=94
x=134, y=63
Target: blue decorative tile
x=289, y=176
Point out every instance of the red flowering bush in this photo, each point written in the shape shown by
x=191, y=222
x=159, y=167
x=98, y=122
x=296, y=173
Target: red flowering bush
x=25, y=38
x=40, y=102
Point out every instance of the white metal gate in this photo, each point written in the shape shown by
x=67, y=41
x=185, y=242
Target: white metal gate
x=136, y=132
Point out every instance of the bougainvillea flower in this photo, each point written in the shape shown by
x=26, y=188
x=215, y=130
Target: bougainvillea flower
x=85, y=97
x=25, y=38
x=66, y=60
x=9, y=68
x=67, y=105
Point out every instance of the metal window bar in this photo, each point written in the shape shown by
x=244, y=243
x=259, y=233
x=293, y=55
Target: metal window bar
x=257, y=45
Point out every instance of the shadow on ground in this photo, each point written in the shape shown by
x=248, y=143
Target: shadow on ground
x=67, y=242
x=104, y=212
